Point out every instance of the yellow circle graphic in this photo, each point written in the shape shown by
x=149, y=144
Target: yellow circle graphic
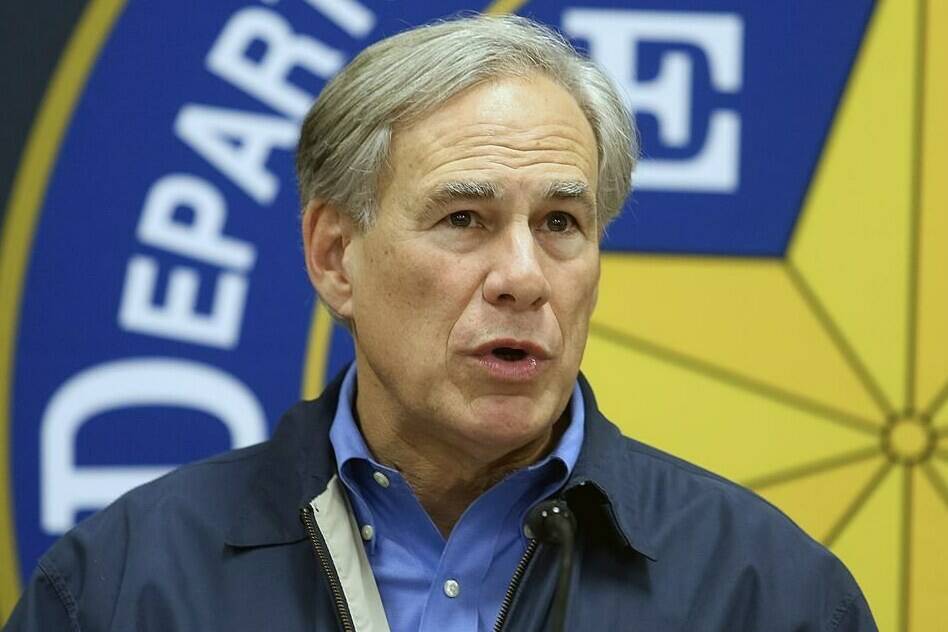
x=820, y=379
x=909, y=441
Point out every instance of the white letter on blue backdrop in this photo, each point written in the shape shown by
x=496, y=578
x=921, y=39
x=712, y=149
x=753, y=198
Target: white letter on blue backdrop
x=68, y=488
x=268, y=78
x=238, y=144
x=614, y=37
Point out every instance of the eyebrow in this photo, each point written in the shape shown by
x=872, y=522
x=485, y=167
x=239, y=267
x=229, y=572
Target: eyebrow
x=472, y=190
x=458, y=191
x=463, y=190
x=569, y=190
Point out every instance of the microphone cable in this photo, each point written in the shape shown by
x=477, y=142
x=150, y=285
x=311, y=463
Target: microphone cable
x=552, y=521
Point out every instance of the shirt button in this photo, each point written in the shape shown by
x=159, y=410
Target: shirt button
x=367, y=532
x=381, y=479
x=452, y=588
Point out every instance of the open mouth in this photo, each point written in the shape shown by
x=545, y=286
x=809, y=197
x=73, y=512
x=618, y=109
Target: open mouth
x=512, y=360
x=509, y=354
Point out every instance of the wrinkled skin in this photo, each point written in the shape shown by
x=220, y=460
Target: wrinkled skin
x=439, y=276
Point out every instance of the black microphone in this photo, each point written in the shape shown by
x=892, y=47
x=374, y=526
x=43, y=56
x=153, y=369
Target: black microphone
x=552, y=521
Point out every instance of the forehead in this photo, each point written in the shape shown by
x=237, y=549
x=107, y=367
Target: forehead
x=515, y=132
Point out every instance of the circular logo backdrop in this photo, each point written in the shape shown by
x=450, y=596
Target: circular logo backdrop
x=773, y=301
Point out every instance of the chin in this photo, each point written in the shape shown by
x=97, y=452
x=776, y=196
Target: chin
x=509, y=420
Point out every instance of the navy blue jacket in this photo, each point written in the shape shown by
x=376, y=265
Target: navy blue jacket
x=661, y=546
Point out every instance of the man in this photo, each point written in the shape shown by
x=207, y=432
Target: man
x=456, y=181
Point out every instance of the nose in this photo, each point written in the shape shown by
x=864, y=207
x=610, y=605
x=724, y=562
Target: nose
x=516, y=279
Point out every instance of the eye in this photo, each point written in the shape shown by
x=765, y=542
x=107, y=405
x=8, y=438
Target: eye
x=559, y=222
x=461, y=219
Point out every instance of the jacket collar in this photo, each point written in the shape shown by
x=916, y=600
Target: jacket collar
x=295, y=468
x=299, y=463
x=609, y=469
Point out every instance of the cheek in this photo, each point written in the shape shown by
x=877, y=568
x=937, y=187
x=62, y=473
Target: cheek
x=410, y=284
x=579, y=292
x=393, y=288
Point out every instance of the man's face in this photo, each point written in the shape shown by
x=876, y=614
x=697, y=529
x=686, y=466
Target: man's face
x=472, y=293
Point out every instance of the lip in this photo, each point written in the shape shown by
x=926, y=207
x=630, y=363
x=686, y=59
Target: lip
x=531, y=348
x=523, y=370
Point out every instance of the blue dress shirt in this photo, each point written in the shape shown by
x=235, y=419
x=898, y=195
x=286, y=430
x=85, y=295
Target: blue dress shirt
x=427, y=583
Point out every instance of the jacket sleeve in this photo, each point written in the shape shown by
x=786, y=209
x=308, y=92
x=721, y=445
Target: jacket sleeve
x=853, y=615
x=44, y=605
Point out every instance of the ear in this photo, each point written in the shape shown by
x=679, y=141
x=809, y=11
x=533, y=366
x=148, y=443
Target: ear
x=327, y=233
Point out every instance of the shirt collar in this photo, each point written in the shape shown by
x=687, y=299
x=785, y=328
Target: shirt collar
x=348, y=442
x=299, y=461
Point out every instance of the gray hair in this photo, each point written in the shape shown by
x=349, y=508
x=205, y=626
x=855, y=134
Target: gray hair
x=345, y=139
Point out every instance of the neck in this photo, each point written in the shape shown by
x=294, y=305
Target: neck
x=446, y=477
x=446, y=481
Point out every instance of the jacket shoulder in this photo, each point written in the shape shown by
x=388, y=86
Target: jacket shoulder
x=175, y=526
x=670, y=489
x=733, y=545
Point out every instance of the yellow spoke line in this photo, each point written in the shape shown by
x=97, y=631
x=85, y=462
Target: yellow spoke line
x=918, y=140
x=813, y=468
x=937, y=482
x=835, y=333
x=908, y=476
x=937, y=402
x=734, y=378
x=857, y=503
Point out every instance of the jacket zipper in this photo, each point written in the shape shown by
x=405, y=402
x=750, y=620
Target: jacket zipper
x=515, y=584
x=308, y=516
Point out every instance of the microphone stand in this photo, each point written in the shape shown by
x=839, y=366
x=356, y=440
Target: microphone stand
x=552, y=521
